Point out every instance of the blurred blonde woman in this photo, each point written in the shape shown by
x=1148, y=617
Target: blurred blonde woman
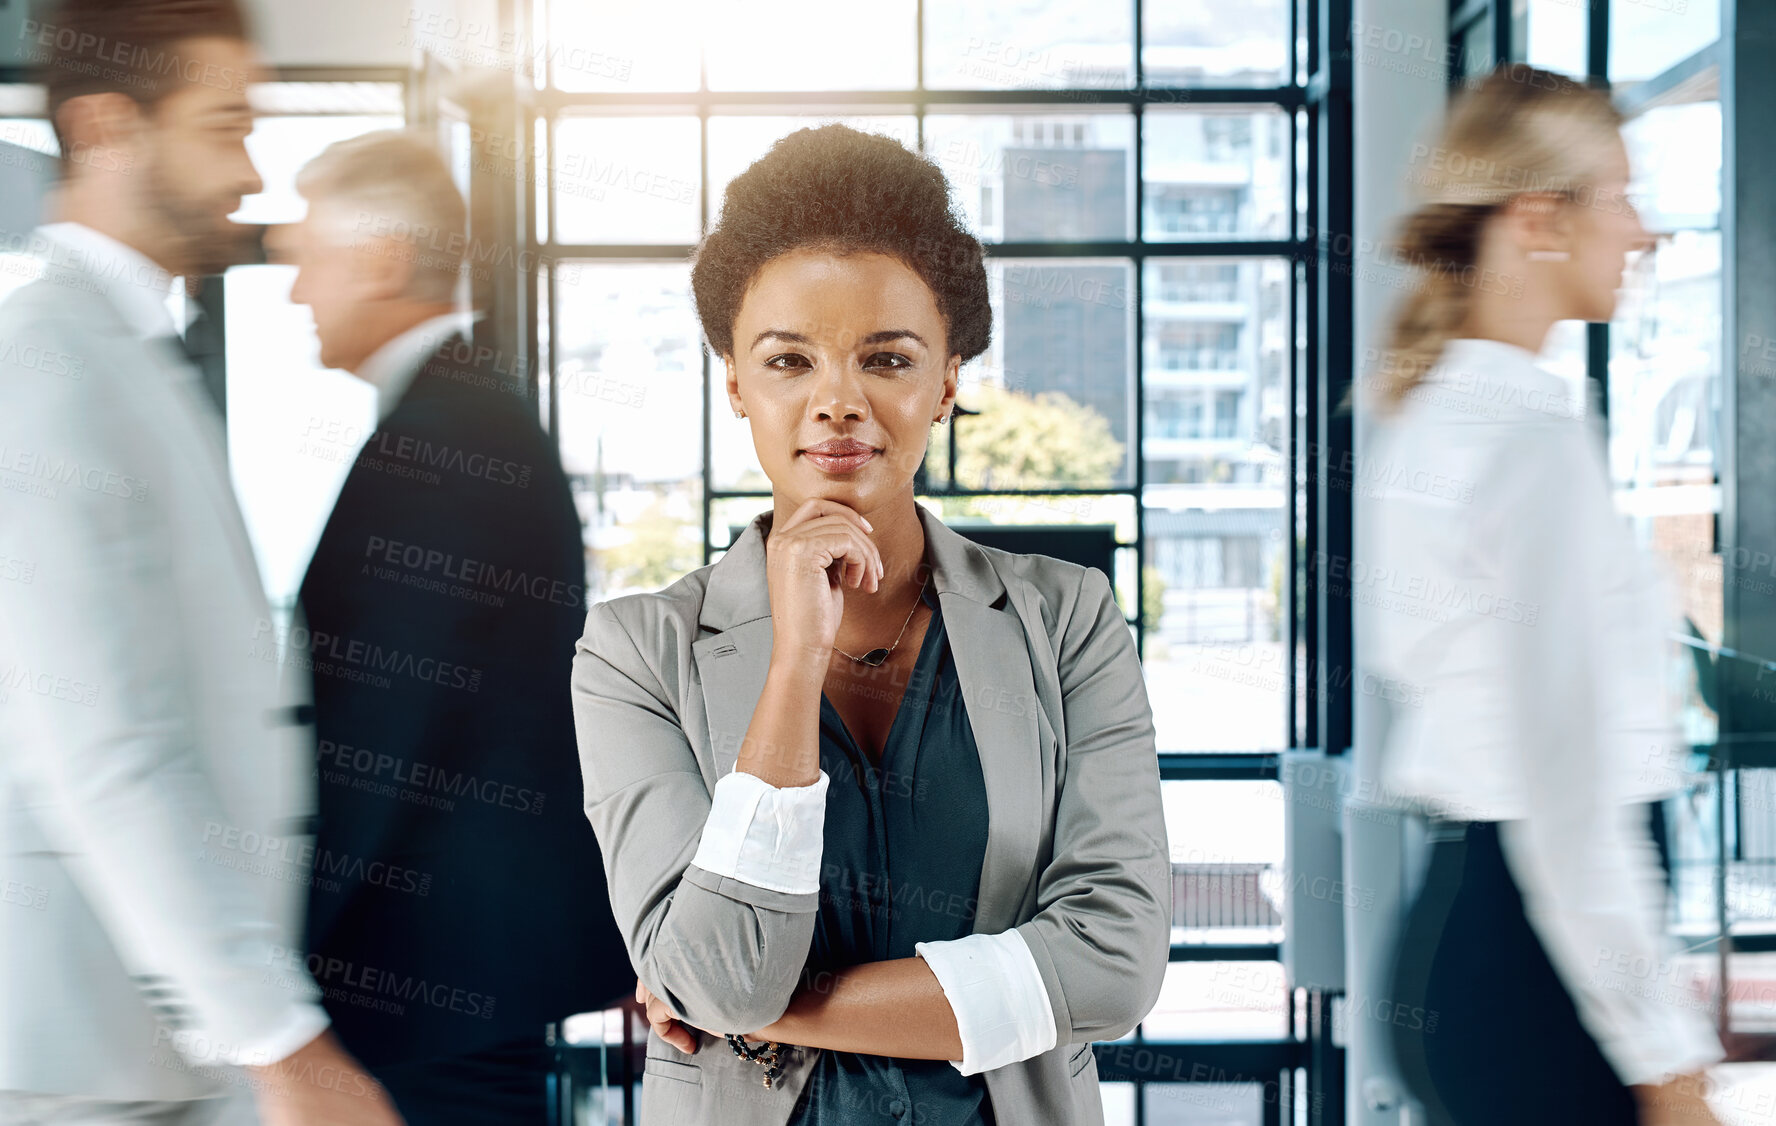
x=1516, y=602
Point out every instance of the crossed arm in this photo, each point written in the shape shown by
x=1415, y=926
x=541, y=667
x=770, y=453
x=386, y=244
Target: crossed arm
x=894, y=1008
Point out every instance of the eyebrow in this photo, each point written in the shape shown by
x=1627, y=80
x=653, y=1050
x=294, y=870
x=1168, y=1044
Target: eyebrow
x=230, y=111
x=882, y=337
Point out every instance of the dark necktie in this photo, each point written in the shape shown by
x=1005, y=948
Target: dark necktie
x=203, y=346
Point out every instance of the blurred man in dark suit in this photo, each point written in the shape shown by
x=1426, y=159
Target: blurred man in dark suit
x=442, y=607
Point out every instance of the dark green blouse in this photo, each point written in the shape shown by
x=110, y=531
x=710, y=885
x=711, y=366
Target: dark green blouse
x=904, y=843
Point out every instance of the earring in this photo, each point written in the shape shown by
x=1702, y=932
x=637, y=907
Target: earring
x=1549, y=256
x=739, y=414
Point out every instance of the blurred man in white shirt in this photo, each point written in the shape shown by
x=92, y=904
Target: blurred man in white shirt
x=155, y=792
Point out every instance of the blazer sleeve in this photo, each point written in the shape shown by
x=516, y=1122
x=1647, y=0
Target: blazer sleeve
x=1102, y=934
x=109, y=756
x=723, y=954
x=1590, y=884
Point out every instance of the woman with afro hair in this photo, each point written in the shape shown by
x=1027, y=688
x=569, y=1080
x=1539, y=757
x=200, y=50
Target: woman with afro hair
x=879, y=806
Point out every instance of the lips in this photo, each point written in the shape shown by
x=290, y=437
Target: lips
x=840, y=456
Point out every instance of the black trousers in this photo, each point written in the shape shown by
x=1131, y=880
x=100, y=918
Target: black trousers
x=502, y=1085
x=1501, y=1040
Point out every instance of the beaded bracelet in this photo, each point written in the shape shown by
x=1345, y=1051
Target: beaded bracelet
x=768, y=1054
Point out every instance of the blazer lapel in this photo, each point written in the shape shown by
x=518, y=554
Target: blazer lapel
x=993, y=667
x=205, y=441
x=189, y=421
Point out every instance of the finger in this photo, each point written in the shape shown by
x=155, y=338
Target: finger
x=815, y=508
x=804, y=512
x=837, y=515
x=871, y=557
x=680, y=1037
x=668, y=1027
x=641, y=992
x=841, y=544
x=869, y=564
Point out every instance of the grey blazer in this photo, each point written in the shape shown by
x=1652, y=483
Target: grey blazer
x=664, y=686
x=155, y=787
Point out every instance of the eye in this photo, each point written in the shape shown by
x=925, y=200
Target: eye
x=891, y=360
x=788, y=361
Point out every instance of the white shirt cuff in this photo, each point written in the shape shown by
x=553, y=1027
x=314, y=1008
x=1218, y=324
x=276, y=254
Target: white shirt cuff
x=764, y=835
x=997, y=994
x=304, y=1023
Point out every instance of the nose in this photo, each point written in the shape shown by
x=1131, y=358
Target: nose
x=837, y=394
x=246, y=176
x=1644, y=240
x=299, y=287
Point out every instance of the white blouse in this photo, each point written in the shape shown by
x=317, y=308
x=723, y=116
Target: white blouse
x=1523, y=634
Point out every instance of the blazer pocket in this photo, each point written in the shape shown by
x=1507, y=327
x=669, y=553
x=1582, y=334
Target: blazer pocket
x=1077, y=1062
x=672, y=1069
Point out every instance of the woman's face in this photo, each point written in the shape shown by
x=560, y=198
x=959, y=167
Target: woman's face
x=840, y=347
x=1606, y=229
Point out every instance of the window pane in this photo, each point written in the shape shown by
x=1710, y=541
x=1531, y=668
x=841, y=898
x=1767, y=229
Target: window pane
x=1206, y=1104
x=1029, y=44
x=1750, y=887
x=1665, y=371
x=976, y=516
x=1034, y=177
x=1475, y=58
x=291, y=99
x=1217, y=416
x=733, y=463
x=1119, y=1103
x=1675, y=154
x=1216, y=174
x=1645, y=38
x=629, y=370
x=735, y=142
x=626, y=180
x=1227, y=858
x=1054, y=389
x=1557, y=36
x=1243, y=44
x=28, y=170
x=604, y=45
x=1221, y=1001
x=1292, y=604
x=19, y=99
x=34, y=133
x=294, y=427
x=280, y=146
x=810, y=45
x=1692, y=829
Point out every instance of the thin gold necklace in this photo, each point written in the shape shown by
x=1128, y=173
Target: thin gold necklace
x=875, y=657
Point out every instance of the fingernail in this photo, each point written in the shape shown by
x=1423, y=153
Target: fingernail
x=866, y=524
